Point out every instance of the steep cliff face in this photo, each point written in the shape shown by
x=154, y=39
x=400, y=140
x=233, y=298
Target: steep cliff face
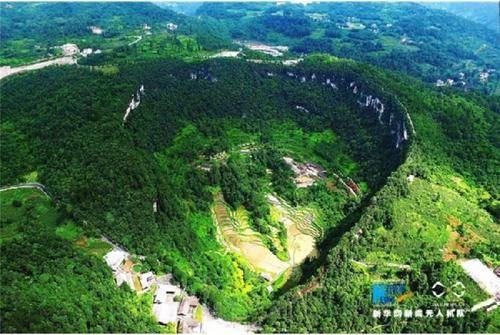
x=341, y=96
x=385, y=108
x=134, y=103
x=370, y=99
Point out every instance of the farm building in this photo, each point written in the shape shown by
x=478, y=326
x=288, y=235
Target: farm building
x=69, y=49
x=124, y=277
x=96, y=30
x=86, y=52
x=171, y=26
x=305, y=173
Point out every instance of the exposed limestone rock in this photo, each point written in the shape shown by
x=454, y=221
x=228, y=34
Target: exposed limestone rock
x=302, y=109
x=134, y=103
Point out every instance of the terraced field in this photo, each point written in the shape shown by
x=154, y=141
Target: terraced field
x=302, y=232
x=238, y=236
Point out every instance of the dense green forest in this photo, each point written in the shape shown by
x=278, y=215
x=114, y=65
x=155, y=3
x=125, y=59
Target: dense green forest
x=106, y=173
x=485, y=13
x=408, y=173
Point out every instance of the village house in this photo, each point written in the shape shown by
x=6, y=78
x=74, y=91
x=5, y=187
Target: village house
x=86, y=52
x=205, y=167
x=171, y=26
x=189, y=326
x=188, y=306
x=124, y=277
x=69, y=49
x=115, y=258
x=147, y=279
x=96, y=30
x=164, y=305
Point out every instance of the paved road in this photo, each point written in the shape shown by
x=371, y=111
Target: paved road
x=137, y=40
x=42, y=188
x=6, y=71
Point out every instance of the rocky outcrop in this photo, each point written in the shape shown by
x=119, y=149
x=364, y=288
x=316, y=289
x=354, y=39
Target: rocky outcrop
x=134, y=103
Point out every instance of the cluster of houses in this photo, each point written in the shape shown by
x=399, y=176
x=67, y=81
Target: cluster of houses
x=146, y=29
x=170, y=303
x=484, y=75
x=448, y=82
x=71, y=49
x=305, y=173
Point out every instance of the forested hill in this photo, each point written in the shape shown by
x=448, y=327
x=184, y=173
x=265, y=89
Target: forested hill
x=404, y=233
x=106, y=175
x=50, y=21
x=183, y=146
x=430, y=44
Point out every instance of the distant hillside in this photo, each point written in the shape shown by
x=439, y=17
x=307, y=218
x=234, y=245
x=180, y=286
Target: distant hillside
x=486, y=13
x=187, y=8
x=31, y=31
x=49, y=21
x=430, y=44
